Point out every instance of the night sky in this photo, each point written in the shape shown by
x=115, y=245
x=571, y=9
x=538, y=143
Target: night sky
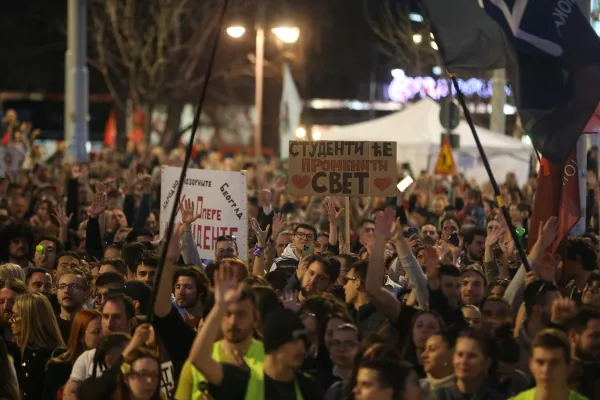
x=336, y=38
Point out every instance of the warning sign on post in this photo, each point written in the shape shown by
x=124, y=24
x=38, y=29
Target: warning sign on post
x=342, y=168
x=445, y=164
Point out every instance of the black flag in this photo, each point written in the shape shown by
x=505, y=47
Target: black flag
x=468, y=40
x=558, y=69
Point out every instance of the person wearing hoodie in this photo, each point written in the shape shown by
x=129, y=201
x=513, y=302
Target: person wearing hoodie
x=304, y=235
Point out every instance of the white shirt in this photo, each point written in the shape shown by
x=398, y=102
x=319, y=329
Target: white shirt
x=84, y=366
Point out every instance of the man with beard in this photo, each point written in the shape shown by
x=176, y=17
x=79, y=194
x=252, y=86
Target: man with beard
x=583, y=327
x=538, y=296
x=237, y=327
x=16, y=244
x=473, y=284
x=474, y=246
x=72, y=292
x=315, y=274
x=190, y=286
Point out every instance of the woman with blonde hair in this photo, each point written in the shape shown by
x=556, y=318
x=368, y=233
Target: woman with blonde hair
x=12, y=271
x=35, y=332
x=86, y=334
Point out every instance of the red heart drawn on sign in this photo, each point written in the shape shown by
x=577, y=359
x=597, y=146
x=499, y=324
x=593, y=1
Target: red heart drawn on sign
x=382, y=183
x=301, y=181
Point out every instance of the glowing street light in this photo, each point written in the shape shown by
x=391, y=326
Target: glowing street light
x=417, y=38
x=398, y=73
x=434, y=45
x=236, y=31
x=300, y=133
x=316, y=134
x=287, y=34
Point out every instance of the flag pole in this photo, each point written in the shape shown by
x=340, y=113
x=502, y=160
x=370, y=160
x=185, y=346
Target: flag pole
x=488, y=168
x=188, y=154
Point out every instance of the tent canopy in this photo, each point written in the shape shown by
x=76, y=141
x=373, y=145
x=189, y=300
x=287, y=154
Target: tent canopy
x=417, y=130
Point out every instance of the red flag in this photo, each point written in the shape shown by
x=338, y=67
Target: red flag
x=557, y=195
x=110, y=130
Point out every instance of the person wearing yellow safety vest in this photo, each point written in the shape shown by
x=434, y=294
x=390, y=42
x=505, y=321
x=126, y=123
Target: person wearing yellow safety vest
x=237, y=328
x=550, y=364
x=284, y=340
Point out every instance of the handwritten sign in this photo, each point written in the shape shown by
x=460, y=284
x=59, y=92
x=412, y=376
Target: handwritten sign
x=342, y=168
x=219, y=199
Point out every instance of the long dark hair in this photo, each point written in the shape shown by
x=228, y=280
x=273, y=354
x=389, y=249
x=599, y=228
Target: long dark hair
x=9, y=388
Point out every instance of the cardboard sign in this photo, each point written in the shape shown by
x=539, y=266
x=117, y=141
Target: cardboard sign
x=342, y=168
x=219, y=198
x=445, y=164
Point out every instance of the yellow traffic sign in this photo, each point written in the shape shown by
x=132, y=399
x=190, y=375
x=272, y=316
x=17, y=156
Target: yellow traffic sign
x=445, y=164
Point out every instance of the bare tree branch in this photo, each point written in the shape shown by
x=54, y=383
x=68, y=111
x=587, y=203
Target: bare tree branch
x=407, y=42
x=154, y=52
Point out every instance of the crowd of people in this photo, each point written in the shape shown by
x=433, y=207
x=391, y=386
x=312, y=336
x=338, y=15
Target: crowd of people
x=427, y=300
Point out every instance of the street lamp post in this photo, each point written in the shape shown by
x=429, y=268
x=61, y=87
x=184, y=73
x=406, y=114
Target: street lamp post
x=285, y=34
x=259, y=78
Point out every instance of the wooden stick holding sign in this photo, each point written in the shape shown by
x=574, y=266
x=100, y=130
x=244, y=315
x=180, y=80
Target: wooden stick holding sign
x=348, y=246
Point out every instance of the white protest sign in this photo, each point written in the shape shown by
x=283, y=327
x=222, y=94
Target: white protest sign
x=219, y=198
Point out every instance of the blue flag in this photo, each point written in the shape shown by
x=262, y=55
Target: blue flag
x=556, y=79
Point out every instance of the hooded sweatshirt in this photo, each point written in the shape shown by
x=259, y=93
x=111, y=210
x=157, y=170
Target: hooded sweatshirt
x=287, y=262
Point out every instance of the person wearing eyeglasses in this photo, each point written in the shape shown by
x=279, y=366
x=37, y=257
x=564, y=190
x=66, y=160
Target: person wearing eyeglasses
x=344, y=346
x=368, y=319
x=303, y=240
x=72, y=292
x=226, y=247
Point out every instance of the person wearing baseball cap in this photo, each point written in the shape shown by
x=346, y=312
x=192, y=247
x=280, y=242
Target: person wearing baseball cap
x=284, y=338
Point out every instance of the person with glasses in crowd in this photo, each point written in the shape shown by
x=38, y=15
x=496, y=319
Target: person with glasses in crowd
x=343, y=349
x=72, y=293
x=304, y=235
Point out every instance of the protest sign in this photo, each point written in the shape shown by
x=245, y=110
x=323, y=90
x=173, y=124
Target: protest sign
x=219, y=198
x=342, y=168
x=11, y=159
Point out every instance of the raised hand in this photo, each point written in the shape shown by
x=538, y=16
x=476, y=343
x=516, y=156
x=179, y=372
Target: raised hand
x=130, y=177
x=278, y=224
x=261, y=236
x=290, y=300
x=494, y=236
x=385, y=224
x=99, y=201
x=61, y=216
x=330, y=209
x=226, y=285
x=280, y=186
x=188, y=215
x=530, y=276
x=563, y=310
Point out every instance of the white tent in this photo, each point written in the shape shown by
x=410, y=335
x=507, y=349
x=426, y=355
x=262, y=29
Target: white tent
x=417, y=131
